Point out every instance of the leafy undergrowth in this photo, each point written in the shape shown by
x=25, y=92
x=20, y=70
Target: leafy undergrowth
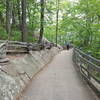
x=93, y=50
x=15, y=35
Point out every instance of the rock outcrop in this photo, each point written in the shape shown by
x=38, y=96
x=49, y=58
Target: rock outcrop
x=15, y=75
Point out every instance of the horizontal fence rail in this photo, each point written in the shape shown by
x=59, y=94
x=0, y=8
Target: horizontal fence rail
x=15, y=46
x=24, y=47
x=89, y=67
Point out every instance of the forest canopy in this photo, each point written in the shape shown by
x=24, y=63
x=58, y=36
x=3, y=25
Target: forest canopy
x=60, y=21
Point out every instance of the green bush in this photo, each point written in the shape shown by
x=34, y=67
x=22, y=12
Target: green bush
x=16, y=35
x=3, y=34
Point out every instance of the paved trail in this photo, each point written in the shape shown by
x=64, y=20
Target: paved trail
x=58, y=81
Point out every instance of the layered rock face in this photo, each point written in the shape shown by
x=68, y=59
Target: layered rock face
x=15, y=75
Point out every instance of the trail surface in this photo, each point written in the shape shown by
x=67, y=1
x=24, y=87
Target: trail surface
x=58, y=81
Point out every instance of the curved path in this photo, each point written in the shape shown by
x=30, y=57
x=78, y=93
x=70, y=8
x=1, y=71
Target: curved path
x=59, y=81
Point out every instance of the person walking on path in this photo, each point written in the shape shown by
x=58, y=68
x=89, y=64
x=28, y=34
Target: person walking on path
x=67, y=45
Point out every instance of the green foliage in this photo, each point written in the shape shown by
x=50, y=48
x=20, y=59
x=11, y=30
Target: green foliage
x=82, y=21
x=50, y=33
x=16, y=35
x=79, y=23
x=3, y=34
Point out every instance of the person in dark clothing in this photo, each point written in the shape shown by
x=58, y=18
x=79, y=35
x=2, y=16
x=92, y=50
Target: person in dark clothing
x=68, y=46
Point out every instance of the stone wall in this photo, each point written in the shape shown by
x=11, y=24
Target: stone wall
x=17, y=74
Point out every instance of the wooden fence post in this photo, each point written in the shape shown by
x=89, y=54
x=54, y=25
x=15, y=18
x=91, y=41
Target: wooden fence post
x=89, y=67
x=3, y=58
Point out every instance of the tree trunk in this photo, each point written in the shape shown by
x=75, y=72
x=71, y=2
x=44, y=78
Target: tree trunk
x=1, y=18
x=8, y=18
x=24, y=26
x=57, y=19
x=19, y=13
x=42, y=22
x=13, y=16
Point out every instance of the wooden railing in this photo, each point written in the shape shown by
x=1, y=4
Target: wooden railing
x=23, y=47
x=2, y=50
x=89, y=68
x=16, y=47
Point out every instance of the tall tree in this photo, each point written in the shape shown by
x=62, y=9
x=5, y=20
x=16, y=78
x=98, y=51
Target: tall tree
x=24, y=25
x=2, y=9
x=14, y=15
x=19, y=13
x=8, y=17
x=41, y=21
x=57, y=18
